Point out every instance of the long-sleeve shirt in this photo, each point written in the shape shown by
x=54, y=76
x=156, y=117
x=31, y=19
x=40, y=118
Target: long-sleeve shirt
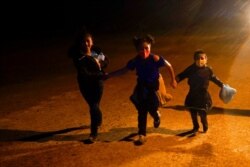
x=89, y=67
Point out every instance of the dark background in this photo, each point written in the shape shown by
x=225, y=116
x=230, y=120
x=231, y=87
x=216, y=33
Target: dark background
x=29, y=18
x=35, y=35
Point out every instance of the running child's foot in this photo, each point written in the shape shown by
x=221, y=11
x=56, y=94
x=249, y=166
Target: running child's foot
x=205, y=129
x=141, y=140
x=92, y=139
x=157, y=121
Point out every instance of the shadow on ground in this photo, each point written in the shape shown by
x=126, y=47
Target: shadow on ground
x=76, y=134
x=218, y=110
x=24, y=135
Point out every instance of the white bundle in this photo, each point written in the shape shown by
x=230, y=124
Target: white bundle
x=99, y=57
x=226, y=93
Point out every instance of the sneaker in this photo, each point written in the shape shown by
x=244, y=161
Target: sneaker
x=92, y=139
x=99, y=124
x=194, y=131
x=157, y=123
x=205, y=129
x=141, y=140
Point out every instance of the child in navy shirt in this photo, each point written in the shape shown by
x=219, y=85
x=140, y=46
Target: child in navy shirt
x=144, y=97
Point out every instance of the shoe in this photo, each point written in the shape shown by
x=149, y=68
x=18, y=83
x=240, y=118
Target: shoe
x=157, y=123
x=99, y=124
x=205, y=129
x=194, y=130
x=141, y=140
x=92, y=139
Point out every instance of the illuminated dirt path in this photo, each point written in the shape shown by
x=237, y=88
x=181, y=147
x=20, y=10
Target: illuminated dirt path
x=43, y=122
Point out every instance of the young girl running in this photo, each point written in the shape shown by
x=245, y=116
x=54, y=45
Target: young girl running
x=90, y=63
x=198, y=100
x=144, y=96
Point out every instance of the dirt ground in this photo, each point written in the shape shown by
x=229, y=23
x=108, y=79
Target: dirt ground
x=44, y=119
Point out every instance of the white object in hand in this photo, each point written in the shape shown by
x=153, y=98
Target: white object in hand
x=226, y=93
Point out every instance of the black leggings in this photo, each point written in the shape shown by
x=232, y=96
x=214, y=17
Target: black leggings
x=203, y=116
x=92, y=93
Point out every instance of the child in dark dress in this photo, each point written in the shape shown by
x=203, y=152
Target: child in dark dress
x=198, y=100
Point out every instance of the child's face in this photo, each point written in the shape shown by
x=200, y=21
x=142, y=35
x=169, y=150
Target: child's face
x=144, y=50
x=88, y=43
x=201, y=61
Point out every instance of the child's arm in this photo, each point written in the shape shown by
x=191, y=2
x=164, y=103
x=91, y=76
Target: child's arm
x=118, y=72
x=184, y=74
x=215, y=79
x=104, y=62
x=130, y=66
x=226, y=92
x=172, y=74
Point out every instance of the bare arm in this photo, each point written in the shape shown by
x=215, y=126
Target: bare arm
x=170, y=69
x=118, y=72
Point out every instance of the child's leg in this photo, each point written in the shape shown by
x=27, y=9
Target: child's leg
x=203, y=115
x=142, y=122
x=92, y=93
x=96, y=118
x=193, y=114
x=156, y=115
x=154, y=112
x=152, y=104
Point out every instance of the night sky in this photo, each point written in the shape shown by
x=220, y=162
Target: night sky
x=27, y=18
x=34, y=25
x=43, y=16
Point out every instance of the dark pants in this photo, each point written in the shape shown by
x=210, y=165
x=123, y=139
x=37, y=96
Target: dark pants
x=92, y=93
x=142, y=119
x=145, y=100
x=203, y=116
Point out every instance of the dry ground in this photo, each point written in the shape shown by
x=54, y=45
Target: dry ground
x=44, y=119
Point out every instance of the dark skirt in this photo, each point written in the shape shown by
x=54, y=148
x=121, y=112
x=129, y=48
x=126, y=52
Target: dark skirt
x=200, y=100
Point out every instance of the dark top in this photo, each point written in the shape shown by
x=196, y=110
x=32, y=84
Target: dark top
x=86, y=66
x=198, y=81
